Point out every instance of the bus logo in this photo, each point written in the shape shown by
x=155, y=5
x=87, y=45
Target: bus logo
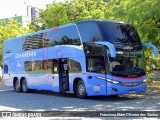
x=25, y=55
x=128, y=48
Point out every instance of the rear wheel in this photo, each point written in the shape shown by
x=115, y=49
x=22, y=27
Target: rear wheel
x=81, y=90
x=17, y=86
x=24, y=86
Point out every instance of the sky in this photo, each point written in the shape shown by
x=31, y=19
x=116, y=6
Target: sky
x=10, y=8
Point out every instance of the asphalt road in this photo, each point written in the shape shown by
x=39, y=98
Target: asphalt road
x=44, y=100
x=49, y=101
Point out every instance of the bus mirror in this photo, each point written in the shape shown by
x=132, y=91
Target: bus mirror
x=154, y=48
x=110, y=46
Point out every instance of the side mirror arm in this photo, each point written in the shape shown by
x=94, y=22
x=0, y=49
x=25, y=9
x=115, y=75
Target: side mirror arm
x=152, y=46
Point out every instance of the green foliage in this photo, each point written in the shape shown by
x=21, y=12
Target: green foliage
x=150, y=78
x=145, y=16
x=146, y=20
x=70, y=11
x=34, y=27
x=10, y=30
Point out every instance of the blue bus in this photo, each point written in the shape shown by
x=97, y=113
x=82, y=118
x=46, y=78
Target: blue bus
x=88, y=58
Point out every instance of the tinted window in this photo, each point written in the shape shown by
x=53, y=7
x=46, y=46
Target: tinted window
x=38, y=67
x=118, y=32
x=69, y=36
x=42, y=66
x=51, y=37
x=74, y=67
x=5, y=68
x=92, y=49
x=128, y=64
x=89, y=31
x=55, y=66
x=33, y=42
x=96, y=64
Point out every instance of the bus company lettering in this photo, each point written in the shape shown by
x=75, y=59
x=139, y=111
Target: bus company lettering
x=25, y=55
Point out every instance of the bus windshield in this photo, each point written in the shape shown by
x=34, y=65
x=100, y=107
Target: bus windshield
x=119, y=33
x=127, y=64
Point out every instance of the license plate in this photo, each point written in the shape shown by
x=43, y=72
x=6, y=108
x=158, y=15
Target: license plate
x=132, y=92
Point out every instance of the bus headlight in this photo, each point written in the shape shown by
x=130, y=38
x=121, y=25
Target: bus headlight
x=145, y=80
x=112, y=81
x=115, y=82
x=108, y=80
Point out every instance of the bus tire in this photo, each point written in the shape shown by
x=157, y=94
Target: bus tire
x=17, y=86
x=24, y=86
x=81, y=90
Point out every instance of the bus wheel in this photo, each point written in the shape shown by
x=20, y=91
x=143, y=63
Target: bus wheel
x=24, y=86
x=17, y=86
x=81, y=90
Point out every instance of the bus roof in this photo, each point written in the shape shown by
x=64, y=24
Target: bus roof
x=109, y=21
x=62, y=26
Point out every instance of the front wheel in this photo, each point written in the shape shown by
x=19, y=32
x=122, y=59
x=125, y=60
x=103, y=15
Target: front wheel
x=81, y=90
x=24, y=86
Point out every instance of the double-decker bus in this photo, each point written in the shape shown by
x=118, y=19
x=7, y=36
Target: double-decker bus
x=89, y=58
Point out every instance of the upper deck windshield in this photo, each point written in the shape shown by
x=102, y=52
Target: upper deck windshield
x=114, y=32
x=127, y=64
x=119, y=33
x=89, y=31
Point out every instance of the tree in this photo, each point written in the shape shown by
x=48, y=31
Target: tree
x=146, y=20
x=10, y=30
x=143, y=14
x=70, y=11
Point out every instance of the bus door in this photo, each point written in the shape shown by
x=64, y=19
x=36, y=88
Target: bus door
x=63, y=75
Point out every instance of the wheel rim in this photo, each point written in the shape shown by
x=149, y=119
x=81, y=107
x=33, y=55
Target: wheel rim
x=24, y=86
x=81, y=89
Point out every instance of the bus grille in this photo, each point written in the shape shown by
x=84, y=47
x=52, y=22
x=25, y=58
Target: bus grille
x=131, y=84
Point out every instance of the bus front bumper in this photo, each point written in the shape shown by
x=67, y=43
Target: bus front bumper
x=116, y=89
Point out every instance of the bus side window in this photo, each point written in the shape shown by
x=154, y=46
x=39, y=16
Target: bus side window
x=33, y=42
x=69, y=36
x=52, y=36
x=74, y=67
x=55, y=66
x=89, y=32
x=5, y=69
